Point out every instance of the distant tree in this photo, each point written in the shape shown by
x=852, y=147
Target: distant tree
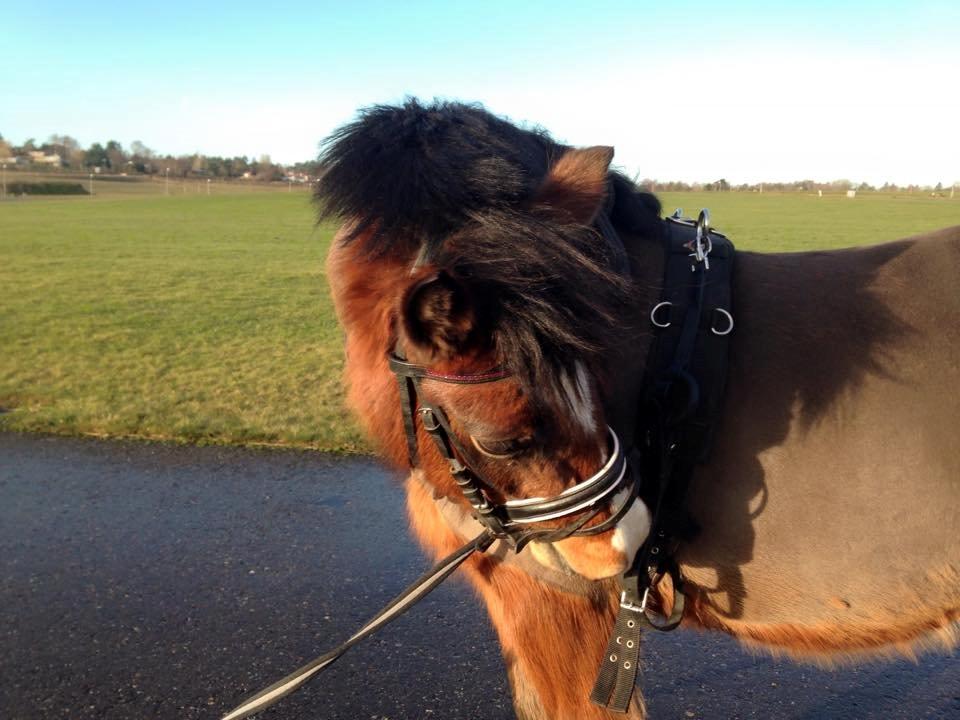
x=141, y=158
x=96, y=156
x=215, y=166
x=241, y=166
x=140, y=151
x=116, y=156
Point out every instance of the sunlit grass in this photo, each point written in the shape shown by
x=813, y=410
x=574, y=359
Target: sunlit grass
x=200, y=319
x=791, y=222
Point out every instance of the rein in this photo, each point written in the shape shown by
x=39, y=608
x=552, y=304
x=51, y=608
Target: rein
x=684, y=379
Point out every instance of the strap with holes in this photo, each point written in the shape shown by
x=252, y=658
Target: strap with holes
x=618, y=669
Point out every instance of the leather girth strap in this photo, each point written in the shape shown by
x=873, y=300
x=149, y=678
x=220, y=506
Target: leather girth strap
x=680, y=404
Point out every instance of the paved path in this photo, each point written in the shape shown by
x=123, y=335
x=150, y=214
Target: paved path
x=145, y=581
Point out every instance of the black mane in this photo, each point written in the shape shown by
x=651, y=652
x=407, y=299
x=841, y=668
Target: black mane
x=417, y=172
x=451, y=179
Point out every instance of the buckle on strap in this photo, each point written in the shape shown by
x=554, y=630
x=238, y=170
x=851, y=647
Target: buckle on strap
x=633, y=607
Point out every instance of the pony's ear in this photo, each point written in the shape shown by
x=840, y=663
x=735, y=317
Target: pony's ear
x=438, y=317
x=577, y=183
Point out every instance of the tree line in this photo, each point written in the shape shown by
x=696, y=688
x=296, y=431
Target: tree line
x=806, y=186
x=138, y=159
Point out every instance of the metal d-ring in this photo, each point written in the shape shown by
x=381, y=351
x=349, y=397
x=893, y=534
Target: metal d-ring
x=703, y=222
x=653, y=314
x=726, y=330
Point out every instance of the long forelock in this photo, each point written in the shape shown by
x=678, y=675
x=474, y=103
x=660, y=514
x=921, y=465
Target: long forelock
x=555, y=299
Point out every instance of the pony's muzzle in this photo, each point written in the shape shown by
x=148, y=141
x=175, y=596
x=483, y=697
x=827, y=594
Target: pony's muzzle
x=610, y=553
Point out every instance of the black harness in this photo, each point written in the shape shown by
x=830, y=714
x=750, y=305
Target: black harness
x=683, y=388
x=682, y=393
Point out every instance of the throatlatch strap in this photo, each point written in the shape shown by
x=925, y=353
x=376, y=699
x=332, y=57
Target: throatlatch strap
x=400, y=604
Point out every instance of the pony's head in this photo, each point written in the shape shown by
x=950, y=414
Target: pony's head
x=486, y=274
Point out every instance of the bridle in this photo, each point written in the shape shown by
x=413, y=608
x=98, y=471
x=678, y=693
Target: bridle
x=514, y=521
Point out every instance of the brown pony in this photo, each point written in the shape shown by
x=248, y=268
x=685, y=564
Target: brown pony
x=828, y=511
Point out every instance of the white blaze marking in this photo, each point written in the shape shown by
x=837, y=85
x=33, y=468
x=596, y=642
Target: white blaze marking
x=577, y=391
x=633, y=527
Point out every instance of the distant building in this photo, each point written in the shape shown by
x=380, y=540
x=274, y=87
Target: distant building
x=38, y=157
x=851, y=193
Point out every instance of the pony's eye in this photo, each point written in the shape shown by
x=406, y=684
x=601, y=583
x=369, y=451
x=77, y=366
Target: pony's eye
x=502, y=449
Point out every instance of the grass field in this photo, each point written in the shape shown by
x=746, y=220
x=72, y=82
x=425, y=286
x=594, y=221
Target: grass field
x=207, y=319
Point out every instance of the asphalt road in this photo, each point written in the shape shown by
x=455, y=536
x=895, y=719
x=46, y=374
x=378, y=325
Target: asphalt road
x=147, y=581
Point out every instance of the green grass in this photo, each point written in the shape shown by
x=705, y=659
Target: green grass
x=198, y=319
x=208, y=319
x=791, y=222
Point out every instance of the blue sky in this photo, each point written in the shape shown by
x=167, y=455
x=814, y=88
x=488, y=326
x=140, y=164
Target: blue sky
x=683, y=90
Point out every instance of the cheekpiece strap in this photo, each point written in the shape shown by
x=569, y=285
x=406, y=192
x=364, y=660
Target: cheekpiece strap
x=408, y=400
